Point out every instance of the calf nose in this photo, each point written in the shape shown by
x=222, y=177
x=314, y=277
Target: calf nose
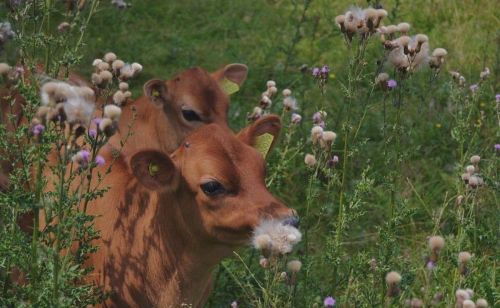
x=292, y=221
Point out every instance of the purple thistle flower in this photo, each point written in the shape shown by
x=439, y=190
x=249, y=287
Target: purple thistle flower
x=430, y=265
x=474, y=88
x=38, y=129
x=325, y=72
x=497, y=147
x=497, y=98
x=317, y=117
x=316, y=72
x=329, y=301
x=92, y=133
x=322, y=124
x=97, y=121
x=296, y=118
x=85, y=155
x=391, y=84
x=20, y=69
x=333, y=161
x=99, y=160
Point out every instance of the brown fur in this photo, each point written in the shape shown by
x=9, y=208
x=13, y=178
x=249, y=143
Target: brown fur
x=159, y=243
x=160, y=124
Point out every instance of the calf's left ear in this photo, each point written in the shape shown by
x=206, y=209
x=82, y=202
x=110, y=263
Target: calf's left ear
x=154, y=170
x=157, y=92
x=262, y=134
x=231, y=77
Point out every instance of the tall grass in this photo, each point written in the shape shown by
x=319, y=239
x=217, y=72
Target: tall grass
x=401, y=152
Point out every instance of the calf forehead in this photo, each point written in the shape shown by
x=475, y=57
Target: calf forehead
x=218, y=147
x=199, y=85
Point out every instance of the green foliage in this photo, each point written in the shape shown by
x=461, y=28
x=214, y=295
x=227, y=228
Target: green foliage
x=401, y=152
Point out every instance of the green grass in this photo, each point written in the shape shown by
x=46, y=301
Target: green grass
x=274, y=41
x=169, y=36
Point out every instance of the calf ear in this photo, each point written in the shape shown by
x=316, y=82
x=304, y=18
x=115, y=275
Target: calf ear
x=154, y=170
x=156, y=91
x=262, y=134
x=231, y=77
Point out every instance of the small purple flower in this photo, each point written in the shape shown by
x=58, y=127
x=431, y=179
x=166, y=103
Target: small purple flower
x=234, y=304
x=391, y=84
x=92, y=133
x=38, y=129
x=317, y=117
x=322, y=124
x=316, y=72
x=474, y=88
x=325, y=70
x=97, y=121
x=333, y=161
x=296, y=118
x=20, y=69
x=99, y=160
x=430, y=265
x=329, y=301
x=497, y=98
x=85, y=155
x=497, y=147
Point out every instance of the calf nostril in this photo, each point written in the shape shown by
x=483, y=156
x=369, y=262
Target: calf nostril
x=292, y=221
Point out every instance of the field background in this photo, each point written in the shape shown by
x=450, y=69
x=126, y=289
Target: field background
x=275, y=38
x=169, y=36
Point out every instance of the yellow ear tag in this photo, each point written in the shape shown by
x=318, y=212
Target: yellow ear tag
x=155, y=93
x=153, y=169
x=229, y=86
x=263, y=143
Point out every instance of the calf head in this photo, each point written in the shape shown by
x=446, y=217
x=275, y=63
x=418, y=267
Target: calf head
x=196, y=97
x=218, y=180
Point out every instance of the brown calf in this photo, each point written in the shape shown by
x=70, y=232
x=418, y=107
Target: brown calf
x=168, y=221
x=172, y=109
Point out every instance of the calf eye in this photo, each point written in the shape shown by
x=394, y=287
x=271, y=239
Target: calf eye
x=212, y=188
x=190, y=115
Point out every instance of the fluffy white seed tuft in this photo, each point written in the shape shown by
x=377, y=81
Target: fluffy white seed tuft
x=436, y=242
x=310, y=160
x=294, y=266
x=464, y=257
x=439, y=52
x=4, y=68
x=109, y=57
x=283, y=237
x=481, y=303
x=112, y=112
x=475, y=159
x=393, y=278
x=404, y=27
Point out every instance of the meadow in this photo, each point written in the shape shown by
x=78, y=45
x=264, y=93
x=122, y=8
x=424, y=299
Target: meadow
x=402, y=176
